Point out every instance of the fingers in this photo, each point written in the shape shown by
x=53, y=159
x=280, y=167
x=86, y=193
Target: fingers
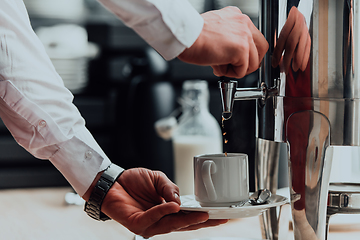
x=247, y=61
x=239, y=71
x=260, y=42
x=299, y=52
x=253, y=59
x=281, y=41
x=294, y=40
x=156, y=213
x=208, y=223
x=251, y=55
x=221, y=70
x=228, y=38
x=306, y=54
x=176, y=222
x=217, y=70
x=138, y=208
x=166, y=188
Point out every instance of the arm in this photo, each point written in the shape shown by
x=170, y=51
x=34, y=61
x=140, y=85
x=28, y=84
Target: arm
x=37, y=108
x=169, y=26
x=38, y=111
x=225, y=39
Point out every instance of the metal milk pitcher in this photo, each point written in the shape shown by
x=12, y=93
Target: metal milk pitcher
x=308, y=97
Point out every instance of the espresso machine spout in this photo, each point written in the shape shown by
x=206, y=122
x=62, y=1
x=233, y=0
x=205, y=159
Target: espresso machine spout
x=230, y=92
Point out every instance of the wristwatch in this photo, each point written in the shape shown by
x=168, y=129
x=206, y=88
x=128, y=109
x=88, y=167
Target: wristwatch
x=107, y=179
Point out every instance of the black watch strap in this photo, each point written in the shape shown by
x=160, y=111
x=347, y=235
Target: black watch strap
x=107, y=179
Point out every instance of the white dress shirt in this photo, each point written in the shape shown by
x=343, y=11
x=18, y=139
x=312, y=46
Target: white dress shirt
x=169, y=26
x=37, y=108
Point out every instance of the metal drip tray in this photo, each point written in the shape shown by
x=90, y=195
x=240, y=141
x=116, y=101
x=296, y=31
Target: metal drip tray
x=344, y=198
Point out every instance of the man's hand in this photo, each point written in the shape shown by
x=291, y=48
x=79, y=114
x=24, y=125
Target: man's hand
x=229, y=42
x=147, y=203
x=295, y=41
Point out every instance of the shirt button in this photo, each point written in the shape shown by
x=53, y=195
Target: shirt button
x=42, y=123
x=88, y=155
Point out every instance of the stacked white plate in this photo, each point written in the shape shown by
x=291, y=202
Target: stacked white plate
x=248, y=7
x=73, y=72
x=59, y=9
x=69, y=50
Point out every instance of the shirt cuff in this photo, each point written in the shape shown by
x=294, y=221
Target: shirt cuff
x=168, y=26
x=183, y=21
x=76, y=156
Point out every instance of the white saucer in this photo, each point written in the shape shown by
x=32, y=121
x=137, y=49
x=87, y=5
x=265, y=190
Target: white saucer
x=188, y=203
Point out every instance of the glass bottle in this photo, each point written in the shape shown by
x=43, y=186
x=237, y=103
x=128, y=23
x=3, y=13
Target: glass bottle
x=198, y=132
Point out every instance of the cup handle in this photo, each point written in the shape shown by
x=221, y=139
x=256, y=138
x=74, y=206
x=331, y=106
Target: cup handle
x=208, y=168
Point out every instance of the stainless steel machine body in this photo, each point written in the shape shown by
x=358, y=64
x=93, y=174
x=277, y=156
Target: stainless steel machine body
x=310, y=99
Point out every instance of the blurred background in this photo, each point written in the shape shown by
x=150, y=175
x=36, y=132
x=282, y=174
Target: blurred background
x=121, y=87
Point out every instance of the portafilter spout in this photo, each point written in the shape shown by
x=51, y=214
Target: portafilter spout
x=229, y=93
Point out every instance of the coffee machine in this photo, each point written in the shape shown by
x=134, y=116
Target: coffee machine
x=308, y=97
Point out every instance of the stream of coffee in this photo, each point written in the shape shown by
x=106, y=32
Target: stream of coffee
x=224, y=133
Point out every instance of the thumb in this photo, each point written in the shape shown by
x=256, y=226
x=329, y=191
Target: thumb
x=157, y=212
x=167, y=189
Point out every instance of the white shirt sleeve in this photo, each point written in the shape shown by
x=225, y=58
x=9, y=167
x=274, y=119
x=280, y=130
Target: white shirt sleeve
x=169, y=26
x=37, y=108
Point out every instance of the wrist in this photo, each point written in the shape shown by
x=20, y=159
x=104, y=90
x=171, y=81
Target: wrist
x=87, y=194
x=100, y=190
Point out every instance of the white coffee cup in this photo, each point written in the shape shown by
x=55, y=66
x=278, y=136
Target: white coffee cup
x=221, y=180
